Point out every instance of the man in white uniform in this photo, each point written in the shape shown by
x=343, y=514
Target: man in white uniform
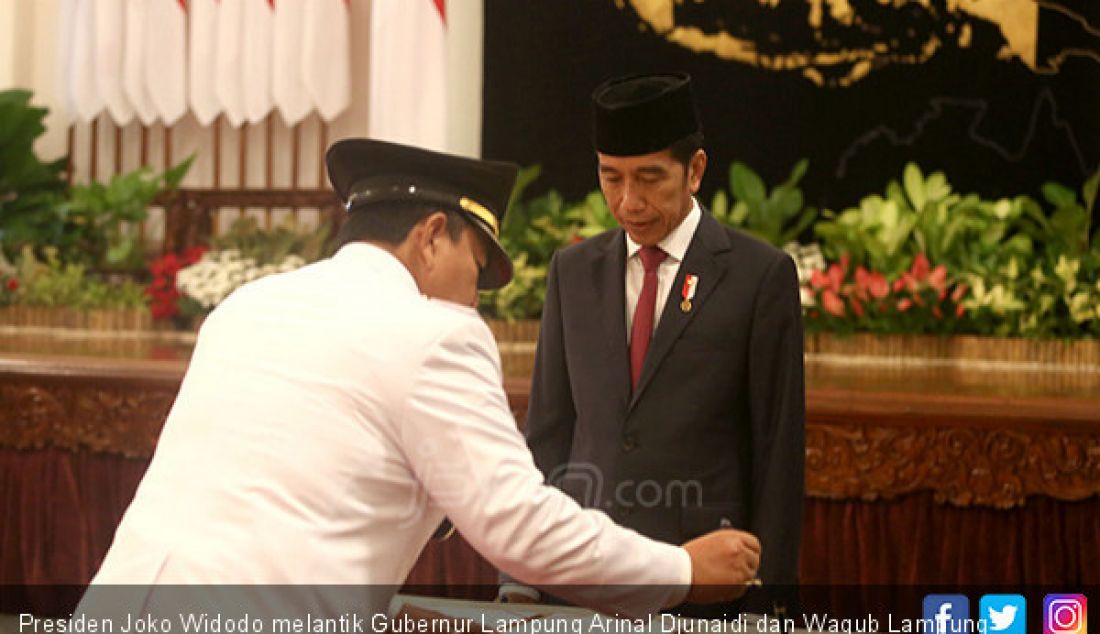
x=332, y=416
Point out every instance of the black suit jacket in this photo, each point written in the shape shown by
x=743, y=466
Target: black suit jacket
x=714, y=434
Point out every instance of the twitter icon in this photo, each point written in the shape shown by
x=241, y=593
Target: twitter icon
x=1003, y=613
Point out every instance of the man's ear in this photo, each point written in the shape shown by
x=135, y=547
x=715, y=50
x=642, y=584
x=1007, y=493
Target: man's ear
x=432, y=229
x=696, y=167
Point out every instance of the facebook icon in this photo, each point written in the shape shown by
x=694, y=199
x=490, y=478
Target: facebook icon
x=947, y=613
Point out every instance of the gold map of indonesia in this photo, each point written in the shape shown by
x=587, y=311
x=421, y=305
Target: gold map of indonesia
x=841, y=64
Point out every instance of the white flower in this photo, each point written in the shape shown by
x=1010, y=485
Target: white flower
x=291, y=262
x=218, y=273
x=806, y=294
x=229, y=255
x=807, y=259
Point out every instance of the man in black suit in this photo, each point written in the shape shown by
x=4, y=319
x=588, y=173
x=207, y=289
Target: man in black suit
x=668, y=382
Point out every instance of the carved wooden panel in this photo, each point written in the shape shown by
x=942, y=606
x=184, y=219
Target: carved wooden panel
x=963, y=466
x=858, y=445
x=121, y=419
x=116, y=417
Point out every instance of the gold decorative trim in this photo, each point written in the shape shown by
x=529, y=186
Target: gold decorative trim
x=964, y=351
x=85, y=334
x=133, y=319
x=481, y=212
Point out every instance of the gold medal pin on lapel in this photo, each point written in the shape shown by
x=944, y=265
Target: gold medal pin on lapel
x=690, y=282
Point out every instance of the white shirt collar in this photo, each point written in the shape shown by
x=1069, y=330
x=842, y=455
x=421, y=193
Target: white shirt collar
x=678, y=240
x=364, y=254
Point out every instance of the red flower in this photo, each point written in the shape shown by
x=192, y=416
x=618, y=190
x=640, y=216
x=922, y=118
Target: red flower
x=958, y=293
x=861, y=276
x=871, y=283
x=904, y=305
x=857, y=307
x=835, y=276
x=909, y=281
x=161, y=290
x=920, y=267
x=163, y=310
x=831, y=303
x=938, y=280
x=959, y=311
x=194, y=254
x=12, y=284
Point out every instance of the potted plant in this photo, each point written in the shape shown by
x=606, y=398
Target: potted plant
x=30, y=189
x=187, y=286
x=1022, y=281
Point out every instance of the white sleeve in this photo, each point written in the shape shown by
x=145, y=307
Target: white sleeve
x=461, y=440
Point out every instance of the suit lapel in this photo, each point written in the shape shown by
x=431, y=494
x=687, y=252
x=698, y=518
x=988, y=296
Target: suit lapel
x=610, y=270
x=710, y=239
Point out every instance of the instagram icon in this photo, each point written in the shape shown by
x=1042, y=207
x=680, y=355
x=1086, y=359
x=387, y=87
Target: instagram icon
x=1065, y=614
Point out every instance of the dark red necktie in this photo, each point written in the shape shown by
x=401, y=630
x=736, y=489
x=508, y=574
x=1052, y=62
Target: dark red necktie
x=642, y=330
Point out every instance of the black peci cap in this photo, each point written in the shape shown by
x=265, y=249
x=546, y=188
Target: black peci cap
x=366, y=172
x=640, y=114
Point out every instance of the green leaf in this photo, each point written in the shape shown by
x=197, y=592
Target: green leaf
x=524, y=179
x=120, y=252
x=1089, y=190
x=786, y=203
x=175, y=176
x=1059, y=195
x=746, y=185
x=740, y=214
x=719, y=206
x=936, y=187
x=797, y=172
x=914, y=186
x=803, y=223
x=30, y=189
x=1071, y=225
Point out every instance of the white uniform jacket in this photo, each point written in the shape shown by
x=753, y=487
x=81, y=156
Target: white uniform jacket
x=329, y=419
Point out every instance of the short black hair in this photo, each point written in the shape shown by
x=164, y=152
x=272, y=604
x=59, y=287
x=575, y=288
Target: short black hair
x=390, y=223
x=685, y=147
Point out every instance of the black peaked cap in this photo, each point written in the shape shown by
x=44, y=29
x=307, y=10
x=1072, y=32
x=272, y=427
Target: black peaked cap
x=367, y=172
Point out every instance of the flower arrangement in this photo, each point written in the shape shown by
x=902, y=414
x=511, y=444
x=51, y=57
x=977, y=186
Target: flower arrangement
x=9, y=285
x=808, y=260
x=55, y=284
x=919, y=300
x=1024, y=271
x=163, y=295
x=204, y=284
x=192, y=283
x=534, y=229
x=919, y=257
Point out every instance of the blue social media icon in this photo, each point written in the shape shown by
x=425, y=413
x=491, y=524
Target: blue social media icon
x=1003, y=613
x=947, y=613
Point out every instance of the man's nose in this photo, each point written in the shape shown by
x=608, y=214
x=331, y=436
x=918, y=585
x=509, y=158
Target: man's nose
x=633, y=201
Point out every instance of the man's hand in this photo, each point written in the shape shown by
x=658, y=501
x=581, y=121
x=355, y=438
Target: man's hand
x=722, y=564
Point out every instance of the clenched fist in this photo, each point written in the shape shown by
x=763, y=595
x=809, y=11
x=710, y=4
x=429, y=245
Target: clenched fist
x=722, y=563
